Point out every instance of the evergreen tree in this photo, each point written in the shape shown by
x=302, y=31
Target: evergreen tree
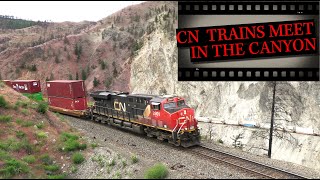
x=77, y=76
x=96, y=82
x=70, y=77
x=83, y=74
x=0, y=77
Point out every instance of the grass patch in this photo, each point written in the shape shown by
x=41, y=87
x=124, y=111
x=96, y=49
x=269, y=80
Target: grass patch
x=29, y=159
x=94, y=145
x=117, y=175
x=19, y=103
x=100, y=159
x=27, y=124
x=5, y=119
x=58, y=176
x=4, y=155
x=158, y=171
x=70, y=142
x=46, y=159
x=52, y=168
x=24, y=111
x=40, y=125
x=77, y=158
x=20, y=134
x=42, y=107
x=74, y=169
x=3, y=102
x=124, y=163
x=13, y=167
x=112, y=162
x=41, y=135
x=19, y=121
x=134, y=159
x=15, y=145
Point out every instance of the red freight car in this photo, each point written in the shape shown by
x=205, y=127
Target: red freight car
x=7, y=82
x=66, y=88
x=67, y=103
x=26, y=86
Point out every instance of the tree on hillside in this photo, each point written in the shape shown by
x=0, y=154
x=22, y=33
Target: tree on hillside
x=0, y=77
x=96, y=82
x=78, y=50
x=70, y=77
x=115, y=72
x=77, y=76
x=51, y=77
x=108, y=82
x=33, y=67
x=83, y=74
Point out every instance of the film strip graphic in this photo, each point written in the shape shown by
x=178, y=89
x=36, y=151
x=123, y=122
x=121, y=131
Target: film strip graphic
x=248, y=8
x=232, y=7
x=248, y=74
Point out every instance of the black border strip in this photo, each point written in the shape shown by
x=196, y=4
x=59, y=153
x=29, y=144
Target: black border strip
x=248, y=74
x=261, y=8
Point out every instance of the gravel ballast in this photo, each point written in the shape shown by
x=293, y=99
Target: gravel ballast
x=114, y=143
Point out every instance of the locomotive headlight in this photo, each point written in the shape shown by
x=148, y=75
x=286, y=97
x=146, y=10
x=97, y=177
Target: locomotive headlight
x=185, y=112
x=185, y=128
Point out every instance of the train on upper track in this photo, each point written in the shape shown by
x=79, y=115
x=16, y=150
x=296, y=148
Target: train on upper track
x=167, y=117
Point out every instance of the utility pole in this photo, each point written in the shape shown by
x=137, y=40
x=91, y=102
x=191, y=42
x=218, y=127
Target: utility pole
x=272, y=119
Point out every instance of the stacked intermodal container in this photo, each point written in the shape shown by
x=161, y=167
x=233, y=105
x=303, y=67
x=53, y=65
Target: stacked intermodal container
x=29, y=88
x=67, y=94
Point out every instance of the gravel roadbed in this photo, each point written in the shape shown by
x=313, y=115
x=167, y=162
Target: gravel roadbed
x=113, y=142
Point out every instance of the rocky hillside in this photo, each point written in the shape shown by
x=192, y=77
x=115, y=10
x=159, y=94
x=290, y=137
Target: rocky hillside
x=154, y=71
x=98, y=52
x=35, y=143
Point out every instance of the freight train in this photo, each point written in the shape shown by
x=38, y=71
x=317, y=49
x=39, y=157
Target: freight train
x=168, y=118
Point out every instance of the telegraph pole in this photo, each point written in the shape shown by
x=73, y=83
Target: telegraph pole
x=272, y=119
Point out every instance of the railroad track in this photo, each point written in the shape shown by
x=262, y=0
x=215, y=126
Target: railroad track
x=253, y=168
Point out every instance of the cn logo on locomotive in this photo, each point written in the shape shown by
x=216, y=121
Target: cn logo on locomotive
x=119, y=106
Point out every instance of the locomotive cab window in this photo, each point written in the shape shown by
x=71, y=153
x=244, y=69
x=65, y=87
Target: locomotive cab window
x=181, y=103
x=155, y=106
x=130, y=99
x=170, y=105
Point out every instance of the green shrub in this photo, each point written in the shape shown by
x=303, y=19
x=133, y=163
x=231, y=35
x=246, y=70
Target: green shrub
x=19, y=121
x=158, y=171
x=82, y=146
x=27, y=123
x=46, y=159
x=20, y=134
x=67, y=136
x=94, y=145
x=24, y=111
x=74, y=169
x=40, y=125
x=41, y=135
x=134, y=159
x=42, y=107
x=59, y=176
x=29, y=159
x=117, y=175
x=52, y=168
x=3, y=102
x=113, y=162
x=124, y=163
x=220, y=141
x=13, y=167
x=71, y=143
x=4, y=155
x=77, y=158
x=5, y=119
